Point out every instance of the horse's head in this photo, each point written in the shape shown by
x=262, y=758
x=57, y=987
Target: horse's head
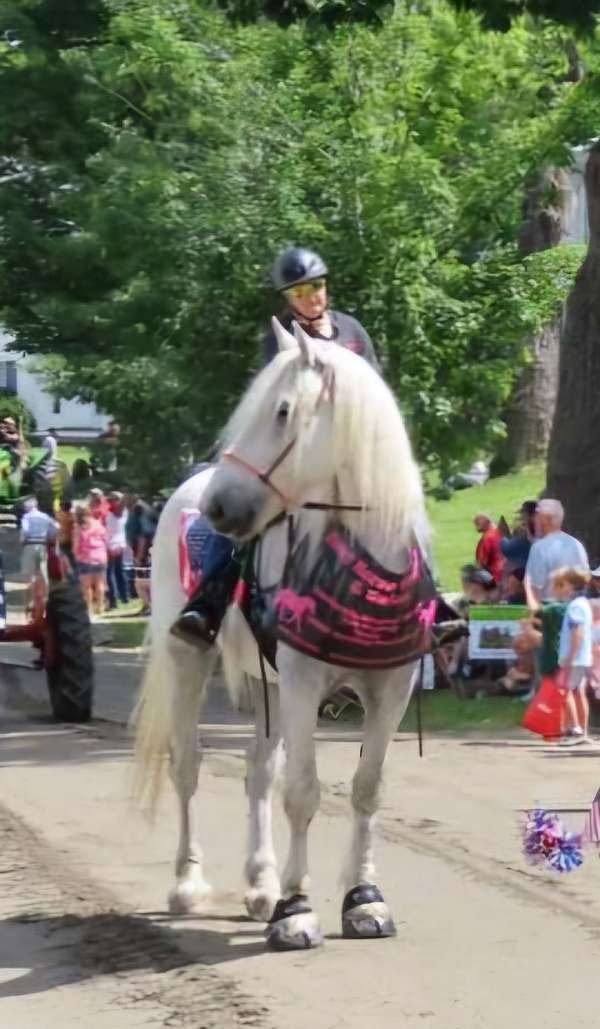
x=279, y=442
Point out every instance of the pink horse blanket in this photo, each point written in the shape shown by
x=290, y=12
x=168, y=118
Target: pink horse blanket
x=351, y=611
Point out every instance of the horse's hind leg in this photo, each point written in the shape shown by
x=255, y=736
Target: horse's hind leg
x=365, y=913
x=193, y=671
x=264, y=759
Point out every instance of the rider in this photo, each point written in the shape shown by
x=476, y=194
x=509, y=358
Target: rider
x=300, y=276
x=10, y=440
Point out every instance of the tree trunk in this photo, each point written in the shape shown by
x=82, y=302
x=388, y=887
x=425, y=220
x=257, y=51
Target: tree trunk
x=573, y=458
x=530, y=410
x=531, y=407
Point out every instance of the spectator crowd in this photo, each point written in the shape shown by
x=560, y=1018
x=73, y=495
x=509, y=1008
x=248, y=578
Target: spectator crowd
x=542, y=567
x=106, y=541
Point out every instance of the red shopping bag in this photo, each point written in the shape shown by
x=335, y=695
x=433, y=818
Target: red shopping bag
x=544, y=713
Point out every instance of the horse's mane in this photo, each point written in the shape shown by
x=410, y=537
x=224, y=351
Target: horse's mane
x=370, y=441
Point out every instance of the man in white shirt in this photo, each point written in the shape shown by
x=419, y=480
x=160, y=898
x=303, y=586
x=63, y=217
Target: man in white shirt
x=50, y=442
x=116, y=541
x=553, y=549
x=37, y=530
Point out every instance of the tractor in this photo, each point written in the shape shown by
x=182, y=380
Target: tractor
x=59, y=628
x=37, y=474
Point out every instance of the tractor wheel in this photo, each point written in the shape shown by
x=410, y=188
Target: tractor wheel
x=68, y=654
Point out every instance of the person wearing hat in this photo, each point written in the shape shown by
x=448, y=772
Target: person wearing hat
x=300, y=276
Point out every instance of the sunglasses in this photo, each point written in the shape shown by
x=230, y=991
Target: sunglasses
x=304, y=289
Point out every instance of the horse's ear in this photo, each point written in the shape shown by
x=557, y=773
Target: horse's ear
x=306, y=344
x=285, y=340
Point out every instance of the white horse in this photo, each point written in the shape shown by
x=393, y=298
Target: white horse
x=318, y=424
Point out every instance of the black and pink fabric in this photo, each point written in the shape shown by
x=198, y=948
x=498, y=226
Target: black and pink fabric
x=352, y=612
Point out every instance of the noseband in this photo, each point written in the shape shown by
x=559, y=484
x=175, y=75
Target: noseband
x=230, y=455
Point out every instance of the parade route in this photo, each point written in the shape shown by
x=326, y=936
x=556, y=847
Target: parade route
x=477, y=928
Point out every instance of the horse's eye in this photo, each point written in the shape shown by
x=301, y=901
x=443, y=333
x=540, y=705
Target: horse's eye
x=283, y=412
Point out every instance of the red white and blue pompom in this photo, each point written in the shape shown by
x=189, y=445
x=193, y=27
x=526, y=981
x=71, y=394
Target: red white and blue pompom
x=547, y=843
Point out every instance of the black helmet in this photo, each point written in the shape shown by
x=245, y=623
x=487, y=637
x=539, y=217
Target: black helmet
x=297, y=265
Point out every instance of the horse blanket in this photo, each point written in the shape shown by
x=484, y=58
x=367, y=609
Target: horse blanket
x=350, y=611
x=347, y=610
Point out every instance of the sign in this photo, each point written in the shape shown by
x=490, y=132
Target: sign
x=492, y=628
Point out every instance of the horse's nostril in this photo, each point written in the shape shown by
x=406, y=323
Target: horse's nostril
x=215, y=511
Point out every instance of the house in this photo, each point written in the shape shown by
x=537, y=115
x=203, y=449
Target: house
x=72, y=419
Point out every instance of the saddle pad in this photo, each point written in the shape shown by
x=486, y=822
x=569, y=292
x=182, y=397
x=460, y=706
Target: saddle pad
x=193, y=535
x=352, y=612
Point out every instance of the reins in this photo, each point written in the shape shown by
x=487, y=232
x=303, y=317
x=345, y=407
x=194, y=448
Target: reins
x=311, y=505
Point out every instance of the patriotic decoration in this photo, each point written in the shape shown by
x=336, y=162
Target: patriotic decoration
x=547, y=843
x=194, y=533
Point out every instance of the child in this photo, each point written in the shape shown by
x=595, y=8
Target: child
x=89, y=548
x=575, y=648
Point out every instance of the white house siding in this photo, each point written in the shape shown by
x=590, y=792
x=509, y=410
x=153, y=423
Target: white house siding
x=73, y=417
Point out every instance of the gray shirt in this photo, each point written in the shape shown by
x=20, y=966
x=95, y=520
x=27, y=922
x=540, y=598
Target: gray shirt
x=547, y=555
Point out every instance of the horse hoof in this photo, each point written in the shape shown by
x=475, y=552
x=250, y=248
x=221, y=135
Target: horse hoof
x=365, y=915
x=188, y=896
x=294, y=926
x=260, y=904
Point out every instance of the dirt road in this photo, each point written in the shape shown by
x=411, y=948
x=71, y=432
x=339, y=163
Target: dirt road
x=484, y=942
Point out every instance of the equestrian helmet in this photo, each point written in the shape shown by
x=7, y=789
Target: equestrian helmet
x=297, y=265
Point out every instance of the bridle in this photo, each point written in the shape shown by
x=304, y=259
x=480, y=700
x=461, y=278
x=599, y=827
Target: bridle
x=265, y=477
x=327, y=389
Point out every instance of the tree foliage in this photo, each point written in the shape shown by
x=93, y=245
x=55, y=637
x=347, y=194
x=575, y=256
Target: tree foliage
x=162, y=155
x=580, y=15
x=316, y=12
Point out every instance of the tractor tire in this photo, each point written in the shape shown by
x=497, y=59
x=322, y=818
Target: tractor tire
x=69, y=654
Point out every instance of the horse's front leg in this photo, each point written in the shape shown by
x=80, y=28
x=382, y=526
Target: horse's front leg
x=294, y=925
x=193, y=670
x=364, y=912
x=264, y=759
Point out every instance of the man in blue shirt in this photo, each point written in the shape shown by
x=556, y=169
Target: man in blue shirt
x=553, y=549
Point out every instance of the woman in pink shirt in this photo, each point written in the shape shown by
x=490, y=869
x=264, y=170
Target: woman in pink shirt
x=90, y=550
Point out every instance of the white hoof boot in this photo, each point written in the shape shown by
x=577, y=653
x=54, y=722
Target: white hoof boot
x=294, y=926
x=365, y=915
x=190, y=893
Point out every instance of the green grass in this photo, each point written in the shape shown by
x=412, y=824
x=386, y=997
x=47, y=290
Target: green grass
x=69, y=454
x=443, y=711
x=125, y=625
x=455, y=537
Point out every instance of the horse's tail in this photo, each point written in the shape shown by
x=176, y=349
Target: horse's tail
x=152, y=719
x=154, y=714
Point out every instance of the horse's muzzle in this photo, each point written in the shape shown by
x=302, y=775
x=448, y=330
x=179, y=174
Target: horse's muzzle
x=231, y=510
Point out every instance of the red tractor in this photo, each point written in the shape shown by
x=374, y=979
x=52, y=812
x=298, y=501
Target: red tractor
x=60, y=629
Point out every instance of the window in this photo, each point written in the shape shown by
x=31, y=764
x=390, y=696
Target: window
x=56, y=406
x=8, y=376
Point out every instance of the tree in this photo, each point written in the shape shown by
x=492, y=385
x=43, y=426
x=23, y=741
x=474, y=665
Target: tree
x=186, y=150
x=530, y=409
x=500, y=14
x=318, y=12
x=573, y=469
